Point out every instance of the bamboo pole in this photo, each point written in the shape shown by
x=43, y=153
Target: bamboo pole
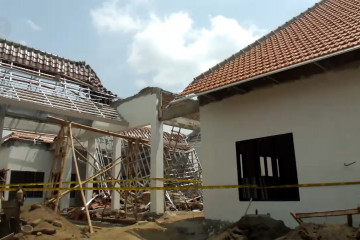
x=91, y=230
x=106, y=168
x=81, y=126
x=84, y=158
x=127, y=184
x=136, y=154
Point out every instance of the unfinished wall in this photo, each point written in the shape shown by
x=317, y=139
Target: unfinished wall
x=139, y=111
x=26, y=156
x=322, y=112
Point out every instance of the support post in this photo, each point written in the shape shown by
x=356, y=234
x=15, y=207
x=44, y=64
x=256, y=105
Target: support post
x=91, y=230
x=89, y=167
x=157, y=167
x=64, y=203
x=115, y=195
x=5, y=162
x=2, y=120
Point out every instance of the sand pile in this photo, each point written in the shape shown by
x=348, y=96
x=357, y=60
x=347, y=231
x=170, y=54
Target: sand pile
x=47, y=225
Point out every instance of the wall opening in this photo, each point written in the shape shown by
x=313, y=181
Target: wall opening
x=267, y=161
x=27, y=177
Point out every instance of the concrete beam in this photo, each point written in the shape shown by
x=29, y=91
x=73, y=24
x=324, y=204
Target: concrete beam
x=157, y=167
x=180, y=110
x=115, y=196
x=184, y=123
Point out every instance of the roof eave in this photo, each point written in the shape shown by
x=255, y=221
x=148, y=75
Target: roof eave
x=194, y=94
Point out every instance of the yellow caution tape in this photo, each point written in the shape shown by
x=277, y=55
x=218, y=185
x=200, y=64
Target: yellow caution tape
x=168, y=188
x=103, y=181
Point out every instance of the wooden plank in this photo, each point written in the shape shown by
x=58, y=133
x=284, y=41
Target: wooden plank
x=299, y=221
x=328, y=213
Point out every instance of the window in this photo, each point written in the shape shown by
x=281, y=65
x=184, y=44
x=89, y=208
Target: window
x=73, y=179
x=27, y=177
x=267, y=161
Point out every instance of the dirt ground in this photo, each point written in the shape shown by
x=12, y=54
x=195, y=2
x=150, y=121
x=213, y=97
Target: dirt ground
x=174, y=225
x=46, y=215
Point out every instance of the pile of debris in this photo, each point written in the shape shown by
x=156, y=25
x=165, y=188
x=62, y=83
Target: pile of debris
x=254, y=227
x=323, y=232
x=263, y=227
x=137, y=208
x=39, y=220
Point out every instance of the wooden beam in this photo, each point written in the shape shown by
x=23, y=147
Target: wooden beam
x=328, y=213
x=81, y=126
x=180, y=110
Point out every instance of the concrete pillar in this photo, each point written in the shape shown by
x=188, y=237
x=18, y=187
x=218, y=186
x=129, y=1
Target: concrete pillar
x=115, y=196
x=65, y=200
x=157, y=167
x=89, y=169
x=2, y=119
x=4, y=152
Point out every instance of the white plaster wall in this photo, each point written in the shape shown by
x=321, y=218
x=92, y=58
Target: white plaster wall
x=140, y=111
x=322, y=112
x=25, y=156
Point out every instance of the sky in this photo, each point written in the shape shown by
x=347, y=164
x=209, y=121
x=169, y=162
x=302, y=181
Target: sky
x=139, y=43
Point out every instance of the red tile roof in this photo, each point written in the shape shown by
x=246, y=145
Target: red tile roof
x=35, y=59
x=169, y=139
x=328, y=27
x=29, y=136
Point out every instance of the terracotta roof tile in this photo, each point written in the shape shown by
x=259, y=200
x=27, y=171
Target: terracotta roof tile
x=328, y=27
x=38, y=60
x=29, y=136
x=169, y=139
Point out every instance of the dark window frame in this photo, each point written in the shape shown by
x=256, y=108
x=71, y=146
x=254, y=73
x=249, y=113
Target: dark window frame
x=254, y=159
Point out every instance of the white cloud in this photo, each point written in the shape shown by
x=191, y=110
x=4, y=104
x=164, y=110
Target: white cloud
x=23, y=42
x=33, y=26
x=113, y=18
x=141, y=83
x=169, y=51
x=176, y=52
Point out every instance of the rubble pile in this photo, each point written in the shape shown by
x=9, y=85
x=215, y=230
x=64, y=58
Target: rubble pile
x=137, y=207
x=310, y=231
x=254, y=227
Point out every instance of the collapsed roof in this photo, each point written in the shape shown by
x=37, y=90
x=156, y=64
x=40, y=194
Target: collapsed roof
x=35, y=59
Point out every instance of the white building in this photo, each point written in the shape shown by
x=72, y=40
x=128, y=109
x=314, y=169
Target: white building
x=35, y=85
x=285, y=110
